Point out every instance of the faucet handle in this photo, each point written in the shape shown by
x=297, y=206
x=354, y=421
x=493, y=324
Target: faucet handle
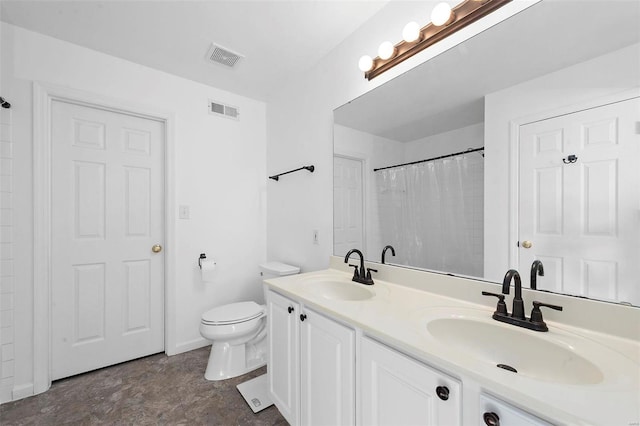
x=368, y=280
x=536, y=314
x=355, y=271
x=501, y=308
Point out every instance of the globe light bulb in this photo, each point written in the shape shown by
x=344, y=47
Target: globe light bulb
x=411, y=32
x=386, y=50
x=441, y=14
x=365, y=63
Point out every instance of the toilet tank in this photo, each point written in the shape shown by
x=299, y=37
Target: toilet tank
x=277, y=269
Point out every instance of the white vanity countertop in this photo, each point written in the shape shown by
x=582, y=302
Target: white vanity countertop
x=397, y=315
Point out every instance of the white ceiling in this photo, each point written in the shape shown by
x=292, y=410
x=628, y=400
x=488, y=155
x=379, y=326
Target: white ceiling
x=279, y=38
x=448, y=91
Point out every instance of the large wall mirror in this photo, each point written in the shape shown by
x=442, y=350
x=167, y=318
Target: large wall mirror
x=531, y=132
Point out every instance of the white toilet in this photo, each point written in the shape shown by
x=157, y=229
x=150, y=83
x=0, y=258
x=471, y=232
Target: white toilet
x=238, y=332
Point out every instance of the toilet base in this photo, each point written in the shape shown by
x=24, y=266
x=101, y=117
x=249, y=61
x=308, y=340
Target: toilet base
x=227, y=361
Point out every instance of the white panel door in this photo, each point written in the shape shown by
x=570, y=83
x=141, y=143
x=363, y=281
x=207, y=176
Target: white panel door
x=397, y=390
x=582, y=218
x=347, y=205
x=107, y=192
x=327, y=371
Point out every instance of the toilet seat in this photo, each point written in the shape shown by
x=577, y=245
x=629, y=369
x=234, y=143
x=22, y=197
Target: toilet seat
x=232, y=313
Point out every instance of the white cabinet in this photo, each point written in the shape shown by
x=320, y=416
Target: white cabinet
x=311, y=365
x=327, y=358
x=398, y=390
x=494, y=412
x=312, y=379
x=284, y=356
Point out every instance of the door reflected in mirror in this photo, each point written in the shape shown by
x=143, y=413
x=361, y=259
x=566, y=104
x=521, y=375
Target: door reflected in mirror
x=540, y=112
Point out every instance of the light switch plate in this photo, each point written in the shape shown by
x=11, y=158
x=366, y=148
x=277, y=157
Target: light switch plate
x=183, y=212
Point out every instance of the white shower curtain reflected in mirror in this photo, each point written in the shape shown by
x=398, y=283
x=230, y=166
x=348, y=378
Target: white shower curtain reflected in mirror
x=432, y=213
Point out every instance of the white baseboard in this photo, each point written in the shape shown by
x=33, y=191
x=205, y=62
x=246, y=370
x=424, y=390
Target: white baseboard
x=22, y=391
x=188, y=346
x=5, y=391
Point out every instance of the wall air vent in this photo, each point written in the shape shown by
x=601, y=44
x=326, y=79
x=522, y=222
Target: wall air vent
x=222, y=110
x=221, y=55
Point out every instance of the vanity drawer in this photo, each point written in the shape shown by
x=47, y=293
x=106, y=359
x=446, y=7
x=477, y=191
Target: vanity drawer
x=494, y=412
x=398, y=390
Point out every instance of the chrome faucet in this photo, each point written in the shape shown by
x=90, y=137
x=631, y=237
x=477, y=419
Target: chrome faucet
x=360, y=276
x=517, y=316
x=536, y=269
x=384, y=251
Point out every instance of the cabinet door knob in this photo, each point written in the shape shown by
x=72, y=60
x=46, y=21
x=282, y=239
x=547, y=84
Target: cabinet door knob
x=290, y=309
x=303, y=317
x=442, y=392
x=491, y=419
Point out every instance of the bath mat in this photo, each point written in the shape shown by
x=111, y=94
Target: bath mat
x=255, y=392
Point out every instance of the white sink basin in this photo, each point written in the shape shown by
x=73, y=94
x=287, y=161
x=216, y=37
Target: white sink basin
x=509, y=347
x=333, y=289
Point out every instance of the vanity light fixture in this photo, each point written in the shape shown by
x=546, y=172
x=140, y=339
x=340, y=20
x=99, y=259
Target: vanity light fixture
x=444, y=22
x=386, y=50
x=365, y=63
x=442, y=14
x=411, y=32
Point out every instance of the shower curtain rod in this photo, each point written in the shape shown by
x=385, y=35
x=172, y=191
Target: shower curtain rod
x=431, y=159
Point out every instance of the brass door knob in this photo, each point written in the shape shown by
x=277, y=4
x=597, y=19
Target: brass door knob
x=527, y=244
x=157, y=248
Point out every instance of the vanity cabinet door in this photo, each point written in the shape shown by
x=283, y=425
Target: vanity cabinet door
x=494, y=412
x=398, y=390
x=327, y=368
x=283, y=369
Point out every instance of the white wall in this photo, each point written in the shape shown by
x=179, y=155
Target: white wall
x=7, y=238
x=456, y=140
x=543, y=96
x=299, y=129
x=219, y=169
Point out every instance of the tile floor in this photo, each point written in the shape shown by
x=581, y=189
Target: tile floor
x=156, y=390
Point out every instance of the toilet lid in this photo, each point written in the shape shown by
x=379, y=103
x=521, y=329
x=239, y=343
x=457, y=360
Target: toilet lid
x=233, y=312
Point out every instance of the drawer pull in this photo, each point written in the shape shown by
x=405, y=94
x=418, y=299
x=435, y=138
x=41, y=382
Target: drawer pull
x=442, y=392
x=491, y=419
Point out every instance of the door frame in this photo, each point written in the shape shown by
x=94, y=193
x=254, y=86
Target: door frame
x=514, y=155
x=43, y=96
x=364, y=186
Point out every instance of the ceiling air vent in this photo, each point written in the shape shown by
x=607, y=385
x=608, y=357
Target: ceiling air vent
x=222, y=110
x=220, y=55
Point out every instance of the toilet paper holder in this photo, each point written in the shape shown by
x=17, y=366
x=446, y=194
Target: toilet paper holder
x=202, y=256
